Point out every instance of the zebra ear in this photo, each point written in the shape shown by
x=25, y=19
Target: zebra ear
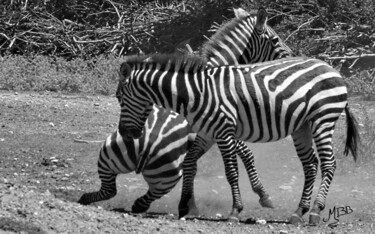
x=261, y=19
x=240, y=13
x=124, y=72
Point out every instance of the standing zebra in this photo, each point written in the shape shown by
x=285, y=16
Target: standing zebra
x=263, y=102
x=116, y=156
x=243, y=40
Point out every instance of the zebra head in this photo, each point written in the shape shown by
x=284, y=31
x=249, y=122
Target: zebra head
x=245, y=40
x=135, y=106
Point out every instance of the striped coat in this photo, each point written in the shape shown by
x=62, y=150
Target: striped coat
x=263, y=102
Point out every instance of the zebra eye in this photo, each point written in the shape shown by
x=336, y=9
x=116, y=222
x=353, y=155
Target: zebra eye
x=275, y=40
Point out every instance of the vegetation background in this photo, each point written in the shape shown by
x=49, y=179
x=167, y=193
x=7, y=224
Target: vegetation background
x=76, y=46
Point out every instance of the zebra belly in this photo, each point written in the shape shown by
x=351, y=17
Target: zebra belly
x=270, y=123
x=256, y=134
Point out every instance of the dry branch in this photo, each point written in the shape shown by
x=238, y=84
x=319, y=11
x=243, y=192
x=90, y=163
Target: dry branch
x=349, y=57
x=302, y=25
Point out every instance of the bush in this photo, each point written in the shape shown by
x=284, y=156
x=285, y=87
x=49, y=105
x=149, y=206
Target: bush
x=40, y=73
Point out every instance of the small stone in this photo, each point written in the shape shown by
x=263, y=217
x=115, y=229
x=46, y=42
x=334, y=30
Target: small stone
x=51, y=124
x=183, y=219
x=219, y=216
x=283, y=232
x=285, y=187
x=261, y=221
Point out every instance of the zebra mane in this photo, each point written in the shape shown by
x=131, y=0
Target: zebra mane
x=215, y=42
x=219, y=36
x=173, y=62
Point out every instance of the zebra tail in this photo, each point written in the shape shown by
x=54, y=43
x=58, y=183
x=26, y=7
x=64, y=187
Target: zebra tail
x=352, y=135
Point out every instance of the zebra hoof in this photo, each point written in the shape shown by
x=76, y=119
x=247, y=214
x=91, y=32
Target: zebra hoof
x=234, y=215
x=266, y=202
x=84, y=199
x=296, y=220
x=182, y=212
x=233, y=219
x=139, y=209
x=314, y=219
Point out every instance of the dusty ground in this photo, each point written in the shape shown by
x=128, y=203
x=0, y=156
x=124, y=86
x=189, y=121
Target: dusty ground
x=45, y=167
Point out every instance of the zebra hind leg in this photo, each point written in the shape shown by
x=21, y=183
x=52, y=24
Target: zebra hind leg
x=323, y=142
x=303, y=143
x=187, y=202
x=107, y=190
x=247, y=158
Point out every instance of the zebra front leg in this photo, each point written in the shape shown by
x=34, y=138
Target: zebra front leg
x=107, y=189
x=323, y=142
x=187, y=192
x=187, y=201
x=227, y=148
x=247, y=158
x=302, y=140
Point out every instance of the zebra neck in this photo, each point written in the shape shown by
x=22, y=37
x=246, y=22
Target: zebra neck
x=169, y=90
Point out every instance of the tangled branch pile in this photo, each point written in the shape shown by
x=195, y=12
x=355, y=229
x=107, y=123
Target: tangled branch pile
x=71, y=28
x=37, y=31
x=340, y=32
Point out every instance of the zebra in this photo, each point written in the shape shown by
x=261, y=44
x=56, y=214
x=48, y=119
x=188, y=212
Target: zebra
x=262, y=102
x=212, y=49
x=158, y=155
x=243, y=40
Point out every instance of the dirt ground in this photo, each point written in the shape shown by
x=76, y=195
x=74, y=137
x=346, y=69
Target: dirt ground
x=49, y=145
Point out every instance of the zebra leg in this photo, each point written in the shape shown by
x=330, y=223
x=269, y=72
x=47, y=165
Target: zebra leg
x=247, y=158
x=107, y=189
x=156, y=190
x=142, y=204
x=323, y=141
x=303, y=143
x=227, y=148
x=187, y=202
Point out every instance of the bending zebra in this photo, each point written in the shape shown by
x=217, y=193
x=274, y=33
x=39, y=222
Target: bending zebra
x=158, y=155
x=263, y=102
x=213, y=50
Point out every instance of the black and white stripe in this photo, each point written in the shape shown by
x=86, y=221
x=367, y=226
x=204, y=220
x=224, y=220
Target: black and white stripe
x=260, y=46
x=243, y=40
x=262, y=102
x=158, y=155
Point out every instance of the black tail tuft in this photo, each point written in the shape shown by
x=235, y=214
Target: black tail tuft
x=352, y=135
